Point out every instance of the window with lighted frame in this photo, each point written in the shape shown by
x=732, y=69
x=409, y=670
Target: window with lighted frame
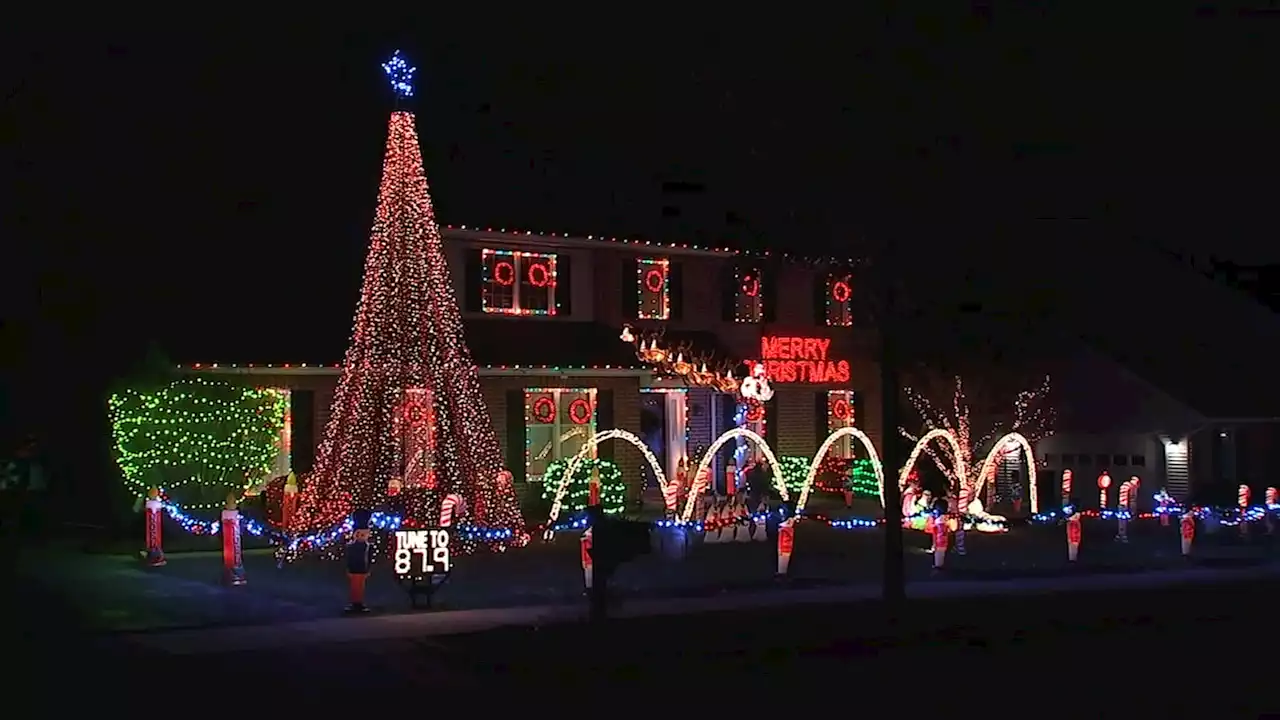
x=842, y=412
x=518, y=283
x=749, y=295
x=653, y=288
x=840, y=300
x=558, y=423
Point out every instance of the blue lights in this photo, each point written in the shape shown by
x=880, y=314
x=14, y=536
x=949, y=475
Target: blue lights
x=400, y=75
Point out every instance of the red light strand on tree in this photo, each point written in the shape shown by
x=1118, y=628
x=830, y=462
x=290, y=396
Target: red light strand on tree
x=408, y=334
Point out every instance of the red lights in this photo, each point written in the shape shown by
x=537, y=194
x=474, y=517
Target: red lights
x=580, y=411
x=544, y=410
x=539, y=275
x=750, y=286
x=840, y=291
x=654, y=280
x=504, y=273
x=801, y=359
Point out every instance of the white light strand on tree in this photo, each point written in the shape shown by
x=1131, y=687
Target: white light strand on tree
x=1032, y=418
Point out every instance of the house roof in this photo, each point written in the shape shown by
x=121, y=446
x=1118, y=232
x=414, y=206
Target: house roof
x=1204, y=344
x=493, y=343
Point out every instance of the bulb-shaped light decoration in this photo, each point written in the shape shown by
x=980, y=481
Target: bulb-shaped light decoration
x=400, y=75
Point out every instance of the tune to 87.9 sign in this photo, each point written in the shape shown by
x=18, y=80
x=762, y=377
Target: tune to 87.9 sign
x=422, y=553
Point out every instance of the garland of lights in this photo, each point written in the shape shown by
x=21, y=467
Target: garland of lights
x=612, y=489
x=408, y=333
x=196, y=431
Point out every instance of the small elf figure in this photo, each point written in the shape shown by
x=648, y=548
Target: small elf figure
x=359, y=558
x=1074, y=531
x=1187, y=526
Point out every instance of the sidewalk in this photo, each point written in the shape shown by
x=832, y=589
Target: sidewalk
x=429, y=624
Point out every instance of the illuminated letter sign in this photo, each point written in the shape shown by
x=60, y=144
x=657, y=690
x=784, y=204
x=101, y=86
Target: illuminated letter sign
x=801, y=359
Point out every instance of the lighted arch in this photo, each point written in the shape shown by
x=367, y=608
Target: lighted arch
x=997, y=451
x=950, y=437
x=590, y=445
x=709, y=455
x=822, y=453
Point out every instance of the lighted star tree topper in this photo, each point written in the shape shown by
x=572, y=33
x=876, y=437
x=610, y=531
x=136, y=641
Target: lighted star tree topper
x=407, y=339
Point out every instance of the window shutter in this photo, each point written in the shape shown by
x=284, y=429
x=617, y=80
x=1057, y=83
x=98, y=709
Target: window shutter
x=564, y=285
x=515, y=435
x=302, y=452
x=820, y=282
x=769, y=289
x=604, y=419
x=630, y=290
x=473, y=282
x=821, y=418
x=675, y=285
x=729, y=293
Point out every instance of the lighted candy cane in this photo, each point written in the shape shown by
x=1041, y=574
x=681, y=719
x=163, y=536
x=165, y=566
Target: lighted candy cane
x=453, y=502
x=1242, y=498
x=1104, y=482
x=1066, y=487
x=1122, y=520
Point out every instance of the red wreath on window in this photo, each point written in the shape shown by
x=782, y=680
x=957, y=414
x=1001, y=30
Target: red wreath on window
x=504, y=273
x=840, y=408
x=750, y=286
x=653, y=280
x=544, y=410
x=539, y=275
x=840, y=291
x=580, y=411
x=755, y=412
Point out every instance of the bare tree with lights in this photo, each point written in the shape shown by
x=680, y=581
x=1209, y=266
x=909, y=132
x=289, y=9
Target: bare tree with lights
x=1032, y=417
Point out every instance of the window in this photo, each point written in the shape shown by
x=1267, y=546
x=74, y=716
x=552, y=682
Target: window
x=1138, y=460
x=839, y=298
x=842, y=411
x=1068, y=459
x=1119, y=460
x=558, y=422
x=653, y=280
x=1102, y=460
x=749, y=300
x=1085, y=460
x=518, y=283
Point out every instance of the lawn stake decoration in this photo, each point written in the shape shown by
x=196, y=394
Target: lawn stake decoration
x=232, y=549
x=154, y=555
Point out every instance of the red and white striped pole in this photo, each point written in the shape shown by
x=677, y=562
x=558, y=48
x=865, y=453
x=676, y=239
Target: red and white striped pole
x=1242, y=497
x=232, y=551
x=1271, y=497
x=453, y=504
x=1066, y=488
x=1104, y=482
x=1074, y=535
x=786, y=543
x=155, y=517
x=585, y=544
x=1187, y=528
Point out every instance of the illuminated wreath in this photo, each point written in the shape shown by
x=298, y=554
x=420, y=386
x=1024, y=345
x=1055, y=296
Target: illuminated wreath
x=504, y=273
x=840, y=408
x=580, y=411
x=544, y=410
x=840, y=291
x=539, y=275
x=750, y=286
x=653, y=280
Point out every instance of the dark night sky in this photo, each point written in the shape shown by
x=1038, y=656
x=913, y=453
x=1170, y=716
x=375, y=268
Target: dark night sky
x=200, y=182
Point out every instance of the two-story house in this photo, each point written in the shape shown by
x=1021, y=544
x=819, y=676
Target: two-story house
x=543, y=317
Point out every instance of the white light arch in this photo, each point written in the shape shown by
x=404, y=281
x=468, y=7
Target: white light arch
x=709, y=455
x=947, y=435
x=997, y=452
x=822, y=453
x=590, y=445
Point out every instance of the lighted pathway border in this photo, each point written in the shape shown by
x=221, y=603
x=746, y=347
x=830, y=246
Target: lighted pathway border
x=429, y=624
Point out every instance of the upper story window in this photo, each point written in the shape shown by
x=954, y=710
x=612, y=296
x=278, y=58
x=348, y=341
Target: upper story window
x=653, y=289
x=748, y=295
x=839, y=300
x=518, y=283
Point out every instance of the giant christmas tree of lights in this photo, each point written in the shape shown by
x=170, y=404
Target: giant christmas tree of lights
x=407, y=341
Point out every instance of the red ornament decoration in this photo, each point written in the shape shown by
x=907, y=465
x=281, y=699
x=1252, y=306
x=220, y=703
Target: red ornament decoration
x=750, y=286
x=544, y=410
x=504, y=273
x=840, y=291
x=653, y=280
x=539, y=275
x=840, y=408
x=580, y=411
x=408, y=334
